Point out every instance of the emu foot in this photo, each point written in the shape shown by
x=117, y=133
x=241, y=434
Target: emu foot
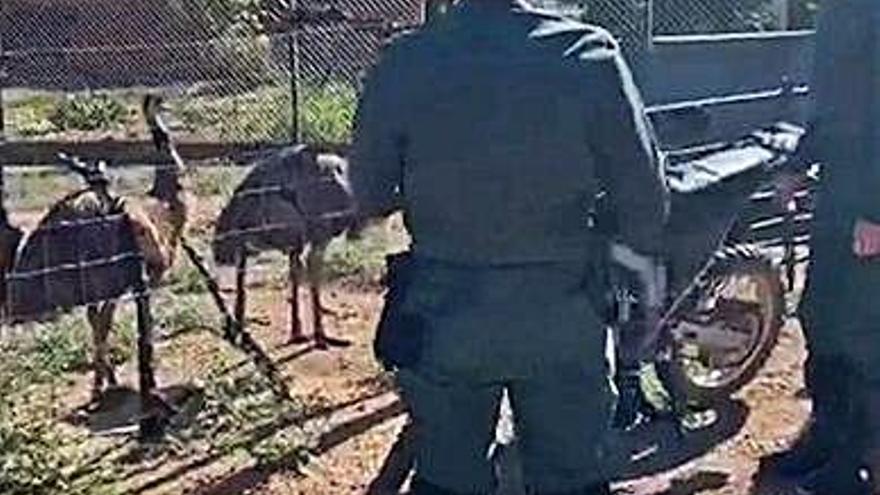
x=103, y=381
x=298, y=339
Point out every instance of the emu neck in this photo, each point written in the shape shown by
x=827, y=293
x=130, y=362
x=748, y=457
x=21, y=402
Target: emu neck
x=166, y=184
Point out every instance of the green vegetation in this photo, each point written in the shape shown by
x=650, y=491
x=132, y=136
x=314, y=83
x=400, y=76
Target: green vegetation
x=235, y=413
x=32, y=116
x=240, y=415
x=265, y=114
x=361, y=259
x=89, y=112
x=37, y=455
x=327, y=113
x=49, y=350
x=219, y=181
x=260, y=114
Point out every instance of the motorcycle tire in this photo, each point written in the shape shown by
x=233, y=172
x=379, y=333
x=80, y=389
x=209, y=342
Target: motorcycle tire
x=676, y=372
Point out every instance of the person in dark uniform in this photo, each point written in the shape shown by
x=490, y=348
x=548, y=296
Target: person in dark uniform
x=495, y=130
x=839, y=312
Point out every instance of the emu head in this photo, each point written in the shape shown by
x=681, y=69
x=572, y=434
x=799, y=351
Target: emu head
x=153, y=105
x=167, y=180
x=94, y=174
x=331, y=194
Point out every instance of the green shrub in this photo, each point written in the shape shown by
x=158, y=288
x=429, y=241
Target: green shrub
x=62, y=346
x=89, y=112
x=38, y=458
x=185, y=313
x=240, y=414
x=265, y=114
x=31, y=116
x=327, y=113
x=37, y=455
x=262, y=115
x=362, y=259
x=186, y=279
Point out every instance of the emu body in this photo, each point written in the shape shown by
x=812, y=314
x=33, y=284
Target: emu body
x=296, y=202
x=87, y=249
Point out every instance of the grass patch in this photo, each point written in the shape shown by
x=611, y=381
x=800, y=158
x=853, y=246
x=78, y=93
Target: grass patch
x=240, y=415
x=182, y=314
x=49, y=350
x=258, y=112
x=37, y=189
x=261, y=115
x=327, y=113
x=89, y=112
x=31, y=116
x=217, y=181
x=186, y=279
x=37, y=455
x=362, y=259
x=265, y=114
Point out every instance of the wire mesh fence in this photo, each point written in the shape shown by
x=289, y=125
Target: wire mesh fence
x=678, y=17
x=635, y=23
x=237, y=71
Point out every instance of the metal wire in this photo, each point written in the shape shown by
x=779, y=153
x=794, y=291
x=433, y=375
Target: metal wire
x=229, y=65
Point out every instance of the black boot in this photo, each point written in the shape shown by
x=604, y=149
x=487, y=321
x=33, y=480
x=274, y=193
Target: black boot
x=833, y=425
x=632, y=408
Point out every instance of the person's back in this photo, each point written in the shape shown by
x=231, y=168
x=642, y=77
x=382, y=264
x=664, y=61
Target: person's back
x=511, y=117
x=495, y=128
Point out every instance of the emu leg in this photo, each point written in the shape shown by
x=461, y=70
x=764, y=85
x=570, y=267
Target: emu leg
x=99, y=351
x=105, y=315
x=153, y=408
x=297, y=336
x=315, y=265
x=240, y=295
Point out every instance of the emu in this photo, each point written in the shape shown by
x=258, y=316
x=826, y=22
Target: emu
x=87, y=249
x=295, y=201
x=10, y=240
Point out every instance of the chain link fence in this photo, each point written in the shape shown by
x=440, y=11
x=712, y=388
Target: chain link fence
x=682, y=17
x=235, y=71
x=635, y=23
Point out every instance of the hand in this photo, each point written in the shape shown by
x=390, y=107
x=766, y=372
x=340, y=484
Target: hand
x=866, y=239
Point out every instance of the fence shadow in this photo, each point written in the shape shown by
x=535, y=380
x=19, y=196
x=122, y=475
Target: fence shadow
x=252, y=477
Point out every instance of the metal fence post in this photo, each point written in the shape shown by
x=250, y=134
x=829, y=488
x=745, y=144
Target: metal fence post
x=783, y=14
x=294, y=60
x=3, y=77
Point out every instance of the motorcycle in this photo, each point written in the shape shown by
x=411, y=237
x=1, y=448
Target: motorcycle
x=726, y=299
x=723, y=311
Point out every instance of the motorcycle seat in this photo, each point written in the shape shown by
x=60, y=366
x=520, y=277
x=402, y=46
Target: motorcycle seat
x=713, y=168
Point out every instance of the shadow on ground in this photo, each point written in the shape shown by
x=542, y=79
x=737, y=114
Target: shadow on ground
x=657, y=446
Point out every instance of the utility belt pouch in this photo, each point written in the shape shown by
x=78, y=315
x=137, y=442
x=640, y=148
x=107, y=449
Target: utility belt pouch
x=400, y=334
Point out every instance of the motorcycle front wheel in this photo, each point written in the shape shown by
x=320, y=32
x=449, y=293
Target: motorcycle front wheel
x=720, y=341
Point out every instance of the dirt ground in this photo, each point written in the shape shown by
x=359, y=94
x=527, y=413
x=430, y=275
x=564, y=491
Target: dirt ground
x=356, y=416
x=366, y=418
